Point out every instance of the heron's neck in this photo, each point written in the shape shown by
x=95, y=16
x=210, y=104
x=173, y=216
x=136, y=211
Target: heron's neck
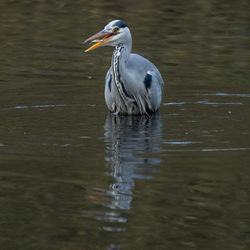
x=122, y=53
x=120, y=57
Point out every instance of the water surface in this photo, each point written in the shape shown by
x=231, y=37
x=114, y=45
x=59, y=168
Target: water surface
x=72, y=176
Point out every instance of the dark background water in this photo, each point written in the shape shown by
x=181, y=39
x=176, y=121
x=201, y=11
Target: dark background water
x=74, y=177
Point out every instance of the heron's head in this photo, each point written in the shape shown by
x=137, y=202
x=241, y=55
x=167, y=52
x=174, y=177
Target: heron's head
x=114, y=33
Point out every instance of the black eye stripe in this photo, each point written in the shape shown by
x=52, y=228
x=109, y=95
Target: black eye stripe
x=120, y=24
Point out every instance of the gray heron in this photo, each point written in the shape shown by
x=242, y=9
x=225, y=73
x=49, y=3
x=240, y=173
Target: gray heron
x=133, y=85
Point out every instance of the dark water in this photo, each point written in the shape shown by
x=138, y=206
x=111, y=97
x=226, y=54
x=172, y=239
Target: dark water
x=74, y=177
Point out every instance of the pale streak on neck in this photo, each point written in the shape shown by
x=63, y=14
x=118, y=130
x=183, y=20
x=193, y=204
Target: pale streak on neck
x=120, y=55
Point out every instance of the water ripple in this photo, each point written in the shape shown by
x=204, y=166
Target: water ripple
x=225, y=94
x=38, y=106
x=207, y=150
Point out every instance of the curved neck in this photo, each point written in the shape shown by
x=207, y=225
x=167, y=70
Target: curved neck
x=123, y=50
x=121, y=53
x=120, y=56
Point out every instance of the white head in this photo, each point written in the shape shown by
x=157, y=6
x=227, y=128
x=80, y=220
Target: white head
x=114, y=33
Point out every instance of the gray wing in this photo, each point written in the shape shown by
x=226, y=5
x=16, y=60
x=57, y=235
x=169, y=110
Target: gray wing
x=143, y=81
x=108, y=87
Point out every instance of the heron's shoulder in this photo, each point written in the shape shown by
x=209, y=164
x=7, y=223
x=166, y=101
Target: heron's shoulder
x=134, y=56
x=140, y=61
x=144, y=66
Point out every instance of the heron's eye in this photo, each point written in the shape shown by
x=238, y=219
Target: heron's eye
x=116, y=29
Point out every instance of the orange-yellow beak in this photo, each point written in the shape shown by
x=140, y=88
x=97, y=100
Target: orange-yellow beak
x=99, y=39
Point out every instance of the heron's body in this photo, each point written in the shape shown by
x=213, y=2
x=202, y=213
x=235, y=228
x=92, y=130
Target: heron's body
x=133, y=85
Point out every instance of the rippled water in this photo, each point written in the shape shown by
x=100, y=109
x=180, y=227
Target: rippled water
x=72, y=176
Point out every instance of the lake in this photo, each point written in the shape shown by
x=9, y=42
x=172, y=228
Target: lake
x=74, y=176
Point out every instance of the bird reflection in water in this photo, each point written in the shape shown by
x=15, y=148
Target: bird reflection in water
x=131, y=144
